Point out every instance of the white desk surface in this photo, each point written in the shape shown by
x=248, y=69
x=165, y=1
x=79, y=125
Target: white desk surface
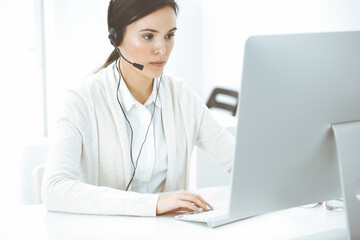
x=35, y=222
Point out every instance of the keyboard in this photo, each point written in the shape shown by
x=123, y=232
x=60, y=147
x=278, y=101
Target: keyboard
x=204, y=216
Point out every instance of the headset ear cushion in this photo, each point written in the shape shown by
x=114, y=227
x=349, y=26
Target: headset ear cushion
x=113, y=36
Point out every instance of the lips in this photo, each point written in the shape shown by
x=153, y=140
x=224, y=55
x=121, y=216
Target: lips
x=158, y=64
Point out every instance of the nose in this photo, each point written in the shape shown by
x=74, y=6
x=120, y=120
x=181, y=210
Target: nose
x=160, y=47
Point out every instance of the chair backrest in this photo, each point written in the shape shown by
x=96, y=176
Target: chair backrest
x=37, y=177
x=34, y=153
x=213, y=101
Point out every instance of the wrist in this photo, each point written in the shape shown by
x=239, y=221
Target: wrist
x=157, y=211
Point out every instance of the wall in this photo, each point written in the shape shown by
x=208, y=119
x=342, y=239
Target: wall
x=21, y=92
x=226, y=27
x=76, y=45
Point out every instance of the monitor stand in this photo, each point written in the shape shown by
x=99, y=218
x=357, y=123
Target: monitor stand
x=347, y=139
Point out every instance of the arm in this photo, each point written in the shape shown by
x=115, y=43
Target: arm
x=209, y=134
x=215, y=140
x=63, y=187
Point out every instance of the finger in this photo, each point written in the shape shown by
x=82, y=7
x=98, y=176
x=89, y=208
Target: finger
x=200, y=198
x=185, y=209
x=204, y=201
x=188, y=205
x=195, y=200
x=181, y=205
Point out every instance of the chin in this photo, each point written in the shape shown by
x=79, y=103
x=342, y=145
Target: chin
x=155, y=74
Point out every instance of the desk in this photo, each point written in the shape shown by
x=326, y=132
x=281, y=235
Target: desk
x=35, y=222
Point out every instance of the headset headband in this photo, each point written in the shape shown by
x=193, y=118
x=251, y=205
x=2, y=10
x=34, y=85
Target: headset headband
x=108, y=15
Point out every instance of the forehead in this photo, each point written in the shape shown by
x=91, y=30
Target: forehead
x=163, y=19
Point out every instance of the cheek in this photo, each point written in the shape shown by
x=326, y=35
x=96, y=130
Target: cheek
x=137, y=50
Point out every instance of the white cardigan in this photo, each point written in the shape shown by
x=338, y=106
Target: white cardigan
x=89, y=164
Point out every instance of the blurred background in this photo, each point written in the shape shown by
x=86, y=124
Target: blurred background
x=47, y=46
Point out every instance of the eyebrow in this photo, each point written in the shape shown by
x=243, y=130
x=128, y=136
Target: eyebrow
x=155, y=31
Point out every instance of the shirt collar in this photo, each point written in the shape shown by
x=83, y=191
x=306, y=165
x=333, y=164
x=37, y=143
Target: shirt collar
x=153, y=94
x=129, y=101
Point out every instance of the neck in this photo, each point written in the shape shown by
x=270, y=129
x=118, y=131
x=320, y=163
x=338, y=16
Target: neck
x=139, y=86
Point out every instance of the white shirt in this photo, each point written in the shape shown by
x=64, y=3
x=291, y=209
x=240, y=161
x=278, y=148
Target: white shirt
x=151, y=168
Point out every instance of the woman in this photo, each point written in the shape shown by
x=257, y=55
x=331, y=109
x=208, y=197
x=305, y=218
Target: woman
x=129, y=131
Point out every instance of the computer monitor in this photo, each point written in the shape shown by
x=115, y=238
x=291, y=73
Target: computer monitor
x=294, y=87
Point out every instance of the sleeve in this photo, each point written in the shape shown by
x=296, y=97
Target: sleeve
x=214, y=139
x=210, y=135
x=62, y=189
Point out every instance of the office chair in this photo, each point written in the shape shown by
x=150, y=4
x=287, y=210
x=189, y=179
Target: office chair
x=34, y=153
x=213, y=102
x=37, y=177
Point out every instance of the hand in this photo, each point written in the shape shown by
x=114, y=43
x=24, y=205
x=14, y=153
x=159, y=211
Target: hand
x=181, y=201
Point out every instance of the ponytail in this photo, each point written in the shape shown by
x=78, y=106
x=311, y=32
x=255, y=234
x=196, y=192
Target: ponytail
x=113, y=57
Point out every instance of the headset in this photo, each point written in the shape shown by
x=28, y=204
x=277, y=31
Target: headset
x=115, y=36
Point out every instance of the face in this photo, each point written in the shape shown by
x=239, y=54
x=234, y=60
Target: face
x=149, y=41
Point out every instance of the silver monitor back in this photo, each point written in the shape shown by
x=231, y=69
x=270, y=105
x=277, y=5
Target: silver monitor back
x=294, y=87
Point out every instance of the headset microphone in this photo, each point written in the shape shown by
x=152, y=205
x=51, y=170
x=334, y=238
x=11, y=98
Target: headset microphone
x=138, y=66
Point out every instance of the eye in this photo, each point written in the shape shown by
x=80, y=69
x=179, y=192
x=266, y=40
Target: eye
x=169, y=36
x=148, y=36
